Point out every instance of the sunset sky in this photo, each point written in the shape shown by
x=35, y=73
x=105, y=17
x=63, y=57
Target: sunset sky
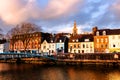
x=59, y=15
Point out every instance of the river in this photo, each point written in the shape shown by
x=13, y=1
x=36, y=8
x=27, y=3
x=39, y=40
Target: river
x=12, y=71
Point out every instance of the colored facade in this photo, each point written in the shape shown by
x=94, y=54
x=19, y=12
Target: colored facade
x=48, y=47
x=30, y=42
x=4, y=46
x=114, y=43
x=101, y=41
x=81, y=44
x=114, y=40
x=61, y=44
x=45, y=47
x=52, y=47
x=107, y=40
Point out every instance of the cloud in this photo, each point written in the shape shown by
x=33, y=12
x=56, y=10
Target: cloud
x=115, y=8
x=17, y=11
x=58, y=8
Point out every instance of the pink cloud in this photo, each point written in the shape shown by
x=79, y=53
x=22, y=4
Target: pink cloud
x=57, y=8
x=17, y=11
x=115, y=8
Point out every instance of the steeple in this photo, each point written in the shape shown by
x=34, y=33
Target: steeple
x=75, y=30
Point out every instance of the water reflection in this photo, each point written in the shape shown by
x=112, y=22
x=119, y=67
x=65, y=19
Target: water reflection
x=39, y=72
x=114, y=75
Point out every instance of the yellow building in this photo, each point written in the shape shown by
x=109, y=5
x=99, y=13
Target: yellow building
x=80, y=43
x=114, y=43
x=107, y=40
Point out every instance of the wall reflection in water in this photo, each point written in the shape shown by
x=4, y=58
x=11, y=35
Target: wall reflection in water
x=39, y=72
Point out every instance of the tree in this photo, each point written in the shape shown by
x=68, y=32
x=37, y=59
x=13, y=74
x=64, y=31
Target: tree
x=1, y=34
x=22, y=29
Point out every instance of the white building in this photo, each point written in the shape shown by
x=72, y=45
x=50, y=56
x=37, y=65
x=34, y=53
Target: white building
x=4, y=46
x=114, y=43
x=87, y=47
x=82, y=43
x=52, y=47
x=45, y=47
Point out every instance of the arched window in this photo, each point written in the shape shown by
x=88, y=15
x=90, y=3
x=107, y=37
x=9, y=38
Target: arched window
x=104, y=32
x=97, y=33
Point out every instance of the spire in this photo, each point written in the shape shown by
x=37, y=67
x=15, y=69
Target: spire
x=75, y=30
x=75, y=24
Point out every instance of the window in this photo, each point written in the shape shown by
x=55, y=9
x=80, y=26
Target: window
x=86, y=40
x=70, y=48
x=90, y=45
x=52, y=41
x=78, y=51
x=102, y=40
x=97, y=33
x=97, y=45
x=118, y=37
x=101, y=46
x=73, y=40
x=113, y=37
x=83, y=46
x=78, y=45
x=44, y=47
x=106, y=40
x=104, y=32
x=74, y=46
x=60, y=41
x=113, y=45
x=74, y=51
x=106, y=46
x=97, y=40
x=49, y=46
x=77, y=40
x=86, y=45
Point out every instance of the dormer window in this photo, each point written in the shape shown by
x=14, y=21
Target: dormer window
x=104, y=32
x=87, y=40
x=52, y=41
x=77, y=40
x=73, y=40
x=97, y=33
x=60, y=41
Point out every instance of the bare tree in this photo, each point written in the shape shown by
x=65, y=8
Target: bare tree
x=1, y=34
x=23, y=28
x=29, y=28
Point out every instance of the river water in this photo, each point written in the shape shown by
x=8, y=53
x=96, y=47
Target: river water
x=64, y=72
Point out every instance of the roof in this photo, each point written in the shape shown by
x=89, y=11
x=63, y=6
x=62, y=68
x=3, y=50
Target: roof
x=81, y=38
x=109, y=31
x=62, y=38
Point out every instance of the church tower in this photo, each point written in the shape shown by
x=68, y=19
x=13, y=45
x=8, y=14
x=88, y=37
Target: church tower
x=75, y=30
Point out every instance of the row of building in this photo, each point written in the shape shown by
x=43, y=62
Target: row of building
x=98, y=41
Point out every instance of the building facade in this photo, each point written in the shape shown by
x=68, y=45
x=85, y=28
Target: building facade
x=101, y=41
x=45, y=47
x=4, y=46
x=61, y=44
x=52, y=47
x=30, y=42
x=82, y=43
x=114, y=43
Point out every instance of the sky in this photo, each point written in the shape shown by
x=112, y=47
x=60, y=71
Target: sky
x=59, y=15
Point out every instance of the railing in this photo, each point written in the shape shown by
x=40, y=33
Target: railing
x=90, y=56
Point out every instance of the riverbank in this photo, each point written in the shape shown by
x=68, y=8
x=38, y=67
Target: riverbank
x=73, y=62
